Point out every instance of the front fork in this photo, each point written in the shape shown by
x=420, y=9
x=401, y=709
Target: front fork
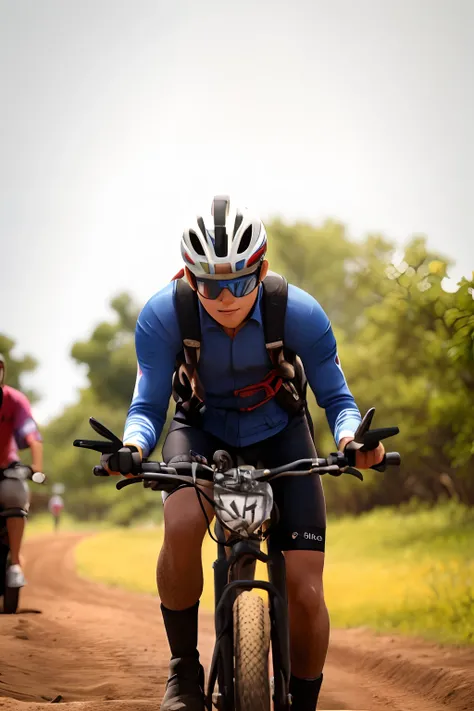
x=232, y=575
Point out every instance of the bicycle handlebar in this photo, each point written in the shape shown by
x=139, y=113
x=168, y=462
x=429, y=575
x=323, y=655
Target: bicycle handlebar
x=166, y=476
x=23, y=472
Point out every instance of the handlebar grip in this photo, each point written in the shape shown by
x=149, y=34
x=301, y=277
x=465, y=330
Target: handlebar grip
x=100, y=471
x=391, y=459
x=149, y=468
x=38, y=477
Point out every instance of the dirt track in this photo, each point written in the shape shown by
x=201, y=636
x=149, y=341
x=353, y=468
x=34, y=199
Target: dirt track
x=103, y=649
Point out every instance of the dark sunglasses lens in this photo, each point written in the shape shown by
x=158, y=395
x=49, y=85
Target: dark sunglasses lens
x=242, y=287
x=211, y=289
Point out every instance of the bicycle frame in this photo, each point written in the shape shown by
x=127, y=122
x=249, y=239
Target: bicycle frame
x=4, y=552
x=4, y=563
x=234, y=573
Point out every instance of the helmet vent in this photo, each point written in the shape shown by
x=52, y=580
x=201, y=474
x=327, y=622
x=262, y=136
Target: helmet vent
x=238, y=221
x=245, y=240
x=196, y=244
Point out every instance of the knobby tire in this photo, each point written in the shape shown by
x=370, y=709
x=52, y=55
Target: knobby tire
x=251, y=648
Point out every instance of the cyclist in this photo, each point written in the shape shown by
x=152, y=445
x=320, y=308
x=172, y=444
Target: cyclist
x=55, y=508
x=18, y=430
x=225, y=265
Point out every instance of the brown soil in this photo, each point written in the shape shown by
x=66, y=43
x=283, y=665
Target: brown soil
x=103, y=649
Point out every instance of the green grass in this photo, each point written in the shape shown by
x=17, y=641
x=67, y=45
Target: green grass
x=121, y=557
x=127, y=558
x=411, y=573
x=407, y=572
x=39, y=524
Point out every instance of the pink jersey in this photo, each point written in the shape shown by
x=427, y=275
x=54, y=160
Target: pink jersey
x=55, y=505
x=16, y=424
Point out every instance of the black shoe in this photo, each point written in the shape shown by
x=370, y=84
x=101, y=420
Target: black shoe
x=185, y=686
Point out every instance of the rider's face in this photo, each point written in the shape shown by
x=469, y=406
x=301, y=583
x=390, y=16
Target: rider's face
x=228, y=310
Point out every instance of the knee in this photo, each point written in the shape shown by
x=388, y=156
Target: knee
x=305, y=582
x=185, y=524
x=179, y=532
x=14, y=495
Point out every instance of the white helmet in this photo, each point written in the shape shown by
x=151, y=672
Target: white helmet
x=231, y=236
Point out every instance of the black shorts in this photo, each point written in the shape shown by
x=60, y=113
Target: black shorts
x=300, y=500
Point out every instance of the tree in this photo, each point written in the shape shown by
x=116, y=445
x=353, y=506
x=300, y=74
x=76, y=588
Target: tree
x=406, y=346
x=345, y=276
x=110, y=354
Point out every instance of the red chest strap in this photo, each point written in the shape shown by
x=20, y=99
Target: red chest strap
x=270, y=386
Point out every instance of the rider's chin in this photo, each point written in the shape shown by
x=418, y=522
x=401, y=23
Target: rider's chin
x=230, y=318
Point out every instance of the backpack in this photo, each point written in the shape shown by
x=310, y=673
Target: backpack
x=286, y=381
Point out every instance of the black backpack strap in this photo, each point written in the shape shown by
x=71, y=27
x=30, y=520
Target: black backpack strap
x=187, y=386
x=187, y=308
x=292, y=395
x=274, y=300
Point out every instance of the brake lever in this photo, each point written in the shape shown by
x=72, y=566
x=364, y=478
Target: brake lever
x=104, y=447
x=97, y=445
x=354, y=472
x=373, y=438
x=104, y=432
x=366, y=439
x=364, y=426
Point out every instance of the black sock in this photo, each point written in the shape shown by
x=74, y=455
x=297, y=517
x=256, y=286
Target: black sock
x=182, y=630
x=305, y=693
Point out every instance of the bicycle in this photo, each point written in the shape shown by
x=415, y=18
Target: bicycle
x=11, y=596
x=243, y=501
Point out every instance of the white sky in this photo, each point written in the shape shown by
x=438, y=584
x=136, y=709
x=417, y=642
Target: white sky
x=117, y=117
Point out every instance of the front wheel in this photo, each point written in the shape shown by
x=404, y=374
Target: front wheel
x=251, y=648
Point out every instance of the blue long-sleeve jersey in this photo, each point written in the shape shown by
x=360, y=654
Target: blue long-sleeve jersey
x=227, y=364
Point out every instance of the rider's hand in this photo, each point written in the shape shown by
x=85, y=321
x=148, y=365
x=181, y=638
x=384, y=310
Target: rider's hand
x=126, y=461
x=364, y=460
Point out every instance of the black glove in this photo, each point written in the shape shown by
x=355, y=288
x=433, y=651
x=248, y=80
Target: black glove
x=126, y=460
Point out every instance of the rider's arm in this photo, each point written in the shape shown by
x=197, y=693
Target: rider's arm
x=26, y=431
x=157, y=341
x=36, y=449
x=308, y=332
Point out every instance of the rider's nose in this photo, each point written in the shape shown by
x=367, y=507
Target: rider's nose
x=226, y=298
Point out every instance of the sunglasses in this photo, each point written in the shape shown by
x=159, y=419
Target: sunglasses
x=240, y=286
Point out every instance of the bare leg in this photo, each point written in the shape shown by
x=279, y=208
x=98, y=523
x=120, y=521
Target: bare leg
x=308, y=615
x=179, y=574
x=180, y=580
x=15, y=529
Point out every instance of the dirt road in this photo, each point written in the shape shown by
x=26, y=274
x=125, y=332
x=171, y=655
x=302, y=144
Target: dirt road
x=103, y=649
